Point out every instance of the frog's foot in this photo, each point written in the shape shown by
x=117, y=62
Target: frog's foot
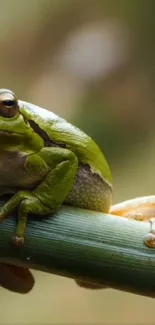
x=139, y=216
x=140, y=209
x=145, y=214
x=18, y=241
x=28, y=204
x=149, y=239
x=7, y=210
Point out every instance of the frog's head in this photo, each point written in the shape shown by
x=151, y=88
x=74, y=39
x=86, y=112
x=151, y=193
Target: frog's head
x=16, y=134
x=11, y=119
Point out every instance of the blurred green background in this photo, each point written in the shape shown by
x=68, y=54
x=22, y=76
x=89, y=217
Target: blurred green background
x=93, y=62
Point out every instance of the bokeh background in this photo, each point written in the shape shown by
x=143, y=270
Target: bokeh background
x=93, y=62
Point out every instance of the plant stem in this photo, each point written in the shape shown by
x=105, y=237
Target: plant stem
x=85, y=245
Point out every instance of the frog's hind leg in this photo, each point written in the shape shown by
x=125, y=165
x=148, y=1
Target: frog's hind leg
x=49, y=194
x=29, y=205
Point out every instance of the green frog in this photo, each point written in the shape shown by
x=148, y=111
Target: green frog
x=46, y=162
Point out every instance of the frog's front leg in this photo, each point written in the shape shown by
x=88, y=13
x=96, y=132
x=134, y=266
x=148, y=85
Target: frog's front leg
x=49, y=194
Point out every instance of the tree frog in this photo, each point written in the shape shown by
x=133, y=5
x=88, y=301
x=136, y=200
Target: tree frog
x=46, y=162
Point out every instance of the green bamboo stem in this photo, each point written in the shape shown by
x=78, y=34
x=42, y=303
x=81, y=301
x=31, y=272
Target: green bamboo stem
x=86, y=245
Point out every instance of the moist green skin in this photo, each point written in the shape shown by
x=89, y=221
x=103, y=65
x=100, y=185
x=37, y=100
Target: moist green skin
x=47, y=162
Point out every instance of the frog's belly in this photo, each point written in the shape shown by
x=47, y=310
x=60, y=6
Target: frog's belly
x=90, y=191
x=14, y=175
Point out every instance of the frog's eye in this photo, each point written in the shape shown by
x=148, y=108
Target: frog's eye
x=8, y=104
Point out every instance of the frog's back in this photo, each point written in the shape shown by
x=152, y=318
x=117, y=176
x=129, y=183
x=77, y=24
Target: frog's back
x=60, y=132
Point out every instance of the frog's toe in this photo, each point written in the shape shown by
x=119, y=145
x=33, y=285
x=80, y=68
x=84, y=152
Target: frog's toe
x=18, y=241
x=139, y=216
x=149, y=240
